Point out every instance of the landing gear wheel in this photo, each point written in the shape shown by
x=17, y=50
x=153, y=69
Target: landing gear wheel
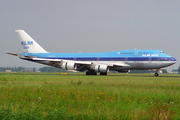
x=156, y=74
x=95, y=73
x=91, y=73
x=87, y=73
x=103, y=73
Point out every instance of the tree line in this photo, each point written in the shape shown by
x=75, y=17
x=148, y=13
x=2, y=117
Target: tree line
x=50, y=69
x=17, y=69
x=25, y=69
x=13, y=69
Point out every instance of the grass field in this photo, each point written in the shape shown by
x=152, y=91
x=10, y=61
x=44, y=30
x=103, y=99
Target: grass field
x=76, y=96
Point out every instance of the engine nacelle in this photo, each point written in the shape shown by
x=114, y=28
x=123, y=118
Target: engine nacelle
x=101, y=68
x=124, y=71
x=69, y=66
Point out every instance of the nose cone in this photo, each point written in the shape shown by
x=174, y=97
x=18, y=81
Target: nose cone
x=173, y=60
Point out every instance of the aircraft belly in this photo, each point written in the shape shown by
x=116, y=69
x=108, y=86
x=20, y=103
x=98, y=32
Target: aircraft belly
x=140, y=65
x=168, y=63
x=154, y=64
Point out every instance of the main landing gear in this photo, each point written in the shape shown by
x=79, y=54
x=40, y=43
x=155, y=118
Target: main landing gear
x=92, y=72
x=156, y=74
x=103, y=73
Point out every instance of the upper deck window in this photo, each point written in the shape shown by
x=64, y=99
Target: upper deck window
x=161, y=52
x=127, y=53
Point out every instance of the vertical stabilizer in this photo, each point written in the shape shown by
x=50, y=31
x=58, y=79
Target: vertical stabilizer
x=28, y=44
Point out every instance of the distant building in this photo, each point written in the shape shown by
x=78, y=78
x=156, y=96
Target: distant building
x=28, y=70
x=8, y=70
x=174, y=71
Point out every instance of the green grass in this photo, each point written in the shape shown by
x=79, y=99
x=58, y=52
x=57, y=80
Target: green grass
x=76, y=96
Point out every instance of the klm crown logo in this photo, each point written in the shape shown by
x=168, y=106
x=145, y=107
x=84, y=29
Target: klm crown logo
x=27, y=43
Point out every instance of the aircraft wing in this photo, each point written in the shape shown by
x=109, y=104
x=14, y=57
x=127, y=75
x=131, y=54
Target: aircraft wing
x=121, y=65
x=115, y=64
x=58, y=62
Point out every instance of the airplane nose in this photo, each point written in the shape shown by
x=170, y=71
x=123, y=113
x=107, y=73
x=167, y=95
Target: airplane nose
x=173, y=60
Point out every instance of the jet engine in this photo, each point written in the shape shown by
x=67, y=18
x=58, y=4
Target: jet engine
x=69, y=66
x=101, y=68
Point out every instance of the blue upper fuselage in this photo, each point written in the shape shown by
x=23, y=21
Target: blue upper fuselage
x=123, y=55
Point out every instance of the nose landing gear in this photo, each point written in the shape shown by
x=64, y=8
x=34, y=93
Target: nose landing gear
x=156, y=74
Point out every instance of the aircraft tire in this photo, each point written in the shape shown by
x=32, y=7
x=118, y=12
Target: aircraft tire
x=91, y=73
x=103, y=73
x=156, y=74
x=87, y=73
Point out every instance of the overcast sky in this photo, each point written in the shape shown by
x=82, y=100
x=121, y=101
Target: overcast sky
x=90, y=26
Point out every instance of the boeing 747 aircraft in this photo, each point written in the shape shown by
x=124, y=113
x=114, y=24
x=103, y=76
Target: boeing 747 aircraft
x=93, y=63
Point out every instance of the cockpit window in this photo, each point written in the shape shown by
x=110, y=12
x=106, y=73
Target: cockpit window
x=161, y=52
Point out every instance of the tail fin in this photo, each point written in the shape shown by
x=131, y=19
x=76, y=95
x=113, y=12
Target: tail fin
x=28, y=44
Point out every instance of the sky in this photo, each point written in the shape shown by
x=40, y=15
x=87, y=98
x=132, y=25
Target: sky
x=72, y=26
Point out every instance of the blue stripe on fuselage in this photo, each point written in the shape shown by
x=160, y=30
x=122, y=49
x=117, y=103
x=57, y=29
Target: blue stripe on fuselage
x=118, y=59
x=124, y=55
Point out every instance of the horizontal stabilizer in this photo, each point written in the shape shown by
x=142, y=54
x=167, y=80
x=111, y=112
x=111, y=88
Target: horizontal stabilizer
x=15, y=54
